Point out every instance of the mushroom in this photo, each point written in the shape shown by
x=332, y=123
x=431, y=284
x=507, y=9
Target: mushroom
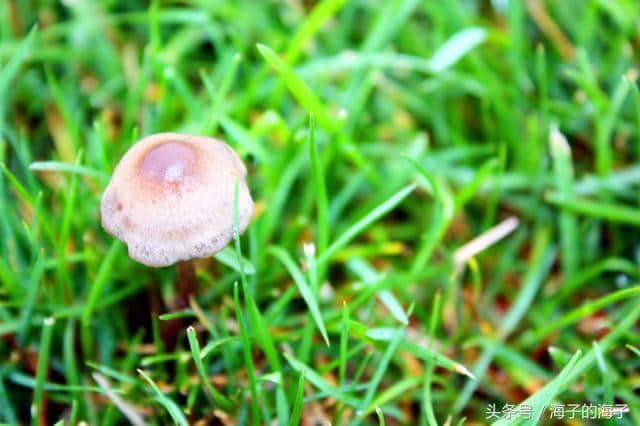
x=171, y=199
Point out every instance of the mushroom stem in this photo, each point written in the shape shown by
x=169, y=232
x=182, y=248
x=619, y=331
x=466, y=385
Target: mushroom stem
x=186, y=283
x=186, y=286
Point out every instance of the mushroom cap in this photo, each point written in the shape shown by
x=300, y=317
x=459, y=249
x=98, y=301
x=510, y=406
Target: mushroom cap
x=171, y=198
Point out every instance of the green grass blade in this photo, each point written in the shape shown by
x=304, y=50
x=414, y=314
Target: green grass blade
x=319, y=382
x=540, y=264
x=380, y=416
x=582, y=311
x=541, y=399
x=563, y=173
x=31, y=382
x=388, y=299
x=606, y=374
x=211, y=346
x=456, y=47
x=320, y=190
x=427, y=398
x=305, y=291
x=392, y=392
x=605, y=126
x=299, y=89
x=229, y=258
x=168, y=404
x=41, y=370
x=468, y=191
x=58, y=166
x=9, y=70
x=7, y=410
x=261, y=331
x=217, y=96
x=19, y=188
x=95, y=292
x=344, y=341
x=380, y=371
x=583, y=277
x=297, y=405
x=612, y=212
x=31, y=297
x=246, y=351
x=255, y=317
x=361, y=331
x=219, y=399
x=363, y=223
x=71, y=363
x=571, y=374
x=320, y=13
x=244, y=139
x=634, y=350
x=110, y=372
x=370, y=276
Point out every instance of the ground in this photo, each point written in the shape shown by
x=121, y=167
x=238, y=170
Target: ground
x=445, y=226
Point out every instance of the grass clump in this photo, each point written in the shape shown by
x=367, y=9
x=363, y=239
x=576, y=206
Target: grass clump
x=446, y=214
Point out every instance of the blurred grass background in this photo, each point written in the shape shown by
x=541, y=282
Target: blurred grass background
x=380, y=137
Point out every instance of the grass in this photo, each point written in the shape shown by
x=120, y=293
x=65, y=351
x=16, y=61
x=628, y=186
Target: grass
x=381, y=138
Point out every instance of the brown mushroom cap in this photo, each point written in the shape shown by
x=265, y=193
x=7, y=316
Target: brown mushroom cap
x=171, y=198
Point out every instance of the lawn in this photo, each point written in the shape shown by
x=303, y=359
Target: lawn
x=445, y=227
